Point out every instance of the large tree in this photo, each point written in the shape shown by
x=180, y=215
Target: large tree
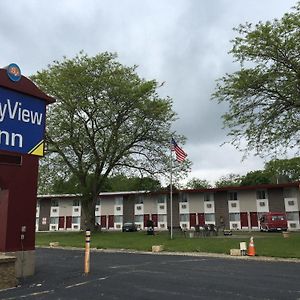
x=106, y=120
x=264, y=95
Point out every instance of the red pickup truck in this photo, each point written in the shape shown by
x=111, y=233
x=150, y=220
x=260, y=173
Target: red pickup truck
x=273, y=221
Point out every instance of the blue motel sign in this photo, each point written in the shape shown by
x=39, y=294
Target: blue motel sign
x=22, y=122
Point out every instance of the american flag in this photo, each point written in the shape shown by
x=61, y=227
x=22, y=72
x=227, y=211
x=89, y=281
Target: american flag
x=180, y=154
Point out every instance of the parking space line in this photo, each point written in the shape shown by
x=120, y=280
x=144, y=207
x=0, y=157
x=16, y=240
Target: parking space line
x=29, y=295
x=77, y=284
x=85, y=282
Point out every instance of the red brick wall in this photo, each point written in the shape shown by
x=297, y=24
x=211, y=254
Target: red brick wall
x=21, y=183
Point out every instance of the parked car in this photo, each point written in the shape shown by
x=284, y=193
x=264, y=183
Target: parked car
x=129, y=227
x=273, y=221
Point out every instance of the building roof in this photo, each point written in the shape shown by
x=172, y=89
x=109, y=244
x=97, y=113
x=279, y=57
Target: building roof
x=248, y=187
x=210, y=190
x=101, y=194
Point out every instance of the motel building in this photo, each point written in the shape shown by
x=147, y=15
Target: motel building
x=238, y=208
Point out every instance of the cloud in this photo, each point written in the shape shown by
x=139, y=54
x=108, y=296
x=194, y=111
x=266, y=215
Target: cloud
x=181, y=42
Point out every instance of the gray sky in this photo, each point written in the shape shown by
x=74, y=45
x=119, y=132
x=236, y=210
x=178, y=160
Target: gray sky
x=181, y=42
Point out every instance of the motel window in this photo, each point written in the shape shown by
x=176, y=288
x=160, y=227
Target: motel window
x=98, y=202
x=232, y=196
x=118, y=219
x=183, y=197
x=209, y=217
x=292, y=216
x=289, y=193
x=118, y=208
x=162, y=218
x=75, y=220
x=291, y=202
x=261, y=194
x=119, y=201
x=208, y=197
x=184, y=217
x=234, y=217
x=97, y=209
x=139, y=219
x=161, y=199
x=139, y=199
x=54, y=220
x=262, y=204
x=233, y=204
x=183, y=206
x=208, y=205
x=54, y=202
x=161, y=207
x=139, y=207
x=76, y=202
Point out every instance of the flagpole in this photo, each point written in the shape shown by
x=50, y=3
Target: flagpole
x=180, y=156
x=171, y=192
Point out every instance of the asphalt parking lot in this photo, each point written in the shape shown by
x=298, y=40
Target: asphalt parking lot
x=59, y=275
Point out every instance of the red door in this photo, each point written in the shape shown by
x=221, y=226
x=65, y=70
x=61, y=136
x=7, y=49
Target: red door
x=111, y=221
x=253, y=219
x=192, y=220
x=154, y=219
x=201, y=219
x=103, y=221
x=61, y=222
x=146, y=219
x=244, y=219
x=68, y=221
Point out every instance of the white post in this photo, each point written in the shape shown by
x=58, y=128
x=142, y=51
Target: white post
x=87, y=252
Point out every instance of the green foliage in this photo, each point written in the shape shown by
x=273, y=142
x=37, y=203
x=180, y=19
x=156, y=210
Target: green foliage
x=196, y=183
x=106, y=119
x=283, y=170
x=255, y=177
x=112, y=184
x=263, y=96
x=275, y=171
x=228, y=180
x=122, y=183
x=62, y=186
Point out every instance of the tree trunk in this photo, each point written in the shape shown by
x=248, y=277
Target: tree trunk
x=88, y=207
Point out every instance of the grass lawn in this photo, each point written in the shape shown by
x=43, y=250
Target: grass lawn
x=266, y=244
